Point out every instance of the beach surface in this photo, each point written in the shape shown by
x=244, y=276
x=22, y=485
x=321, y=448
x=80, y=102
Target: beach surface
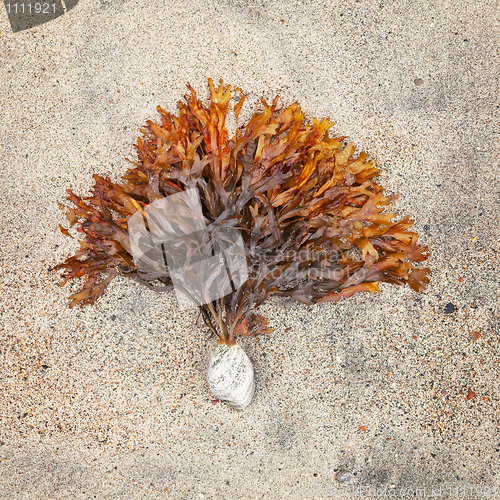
x=394, y=395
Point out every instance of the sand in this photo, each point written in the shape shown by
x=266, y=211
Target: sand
x=391, y=395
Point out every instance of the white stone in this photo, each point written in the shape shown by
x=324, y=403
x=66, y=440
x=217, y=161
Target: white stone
x=230, y=374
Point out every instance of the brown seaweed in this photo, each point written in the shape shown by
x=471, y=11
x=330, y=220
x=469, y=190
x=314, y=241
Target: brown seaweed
x=314, y=223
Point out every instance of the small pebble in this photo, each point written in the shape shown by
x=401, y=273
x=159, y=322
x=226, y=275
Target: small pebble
x=344, y=476
x=450, y=308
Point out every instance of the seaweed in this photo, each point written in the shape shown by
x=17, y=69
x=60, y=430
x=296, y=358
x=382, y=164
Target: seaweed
x=314, y=224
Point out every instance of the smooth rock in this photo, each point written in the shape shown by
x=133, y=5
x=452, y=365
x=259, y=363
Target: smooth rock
x=230, y=374
x=344, y=476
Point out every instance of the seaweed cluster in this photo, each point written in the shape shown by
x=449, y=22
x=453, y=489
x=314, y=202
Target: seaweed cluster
x=314, y=223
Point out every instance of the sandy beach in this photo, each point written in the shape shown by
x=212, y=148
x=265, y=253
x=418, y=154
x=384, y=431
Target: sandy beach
x=394, y=395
